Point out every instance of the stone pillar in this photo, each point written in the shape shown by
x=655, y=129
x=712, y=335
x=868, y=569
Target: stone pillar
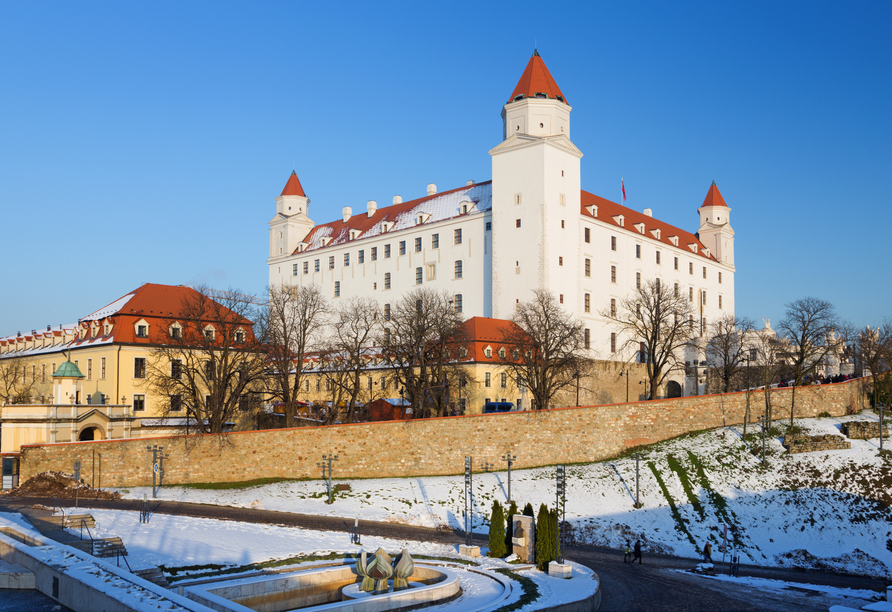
x=524, y=538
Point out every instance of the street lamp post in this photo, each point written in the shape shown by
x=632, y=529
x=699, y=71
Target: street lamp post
x=469, y=502
x=326, y=472
x=637, y=457
x=510, y=459
x=576, y=376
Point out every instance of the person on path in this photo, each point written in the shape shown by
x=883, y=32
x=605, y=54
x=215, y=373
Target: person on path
x=637, y=552
x=707, y=552
x=628, y=551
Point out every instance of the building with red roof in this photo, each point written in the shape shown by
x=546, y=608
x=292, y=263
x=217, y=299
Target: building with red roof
x=531, y=227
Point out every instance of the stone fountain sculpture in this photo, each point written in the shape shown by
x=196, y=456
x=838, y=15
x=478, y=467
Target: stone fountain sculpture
x=376, y=572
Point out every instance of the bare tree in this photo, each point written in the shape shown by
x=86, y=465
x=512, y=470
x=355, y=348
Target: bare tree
x=294, y=321
x=657, y=322
x=726, y=347
x=210, y=361
x=813, y=329
x=16, y=385
x=873, y=348
x=419, y=344
x=545, y=345
x=351, y=346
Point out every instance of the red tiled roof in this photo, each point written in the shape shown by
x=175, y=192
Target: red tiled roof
x=536, y=79
x=292, y=187
x=481, y=332
x=714, y=197
x=607, y=210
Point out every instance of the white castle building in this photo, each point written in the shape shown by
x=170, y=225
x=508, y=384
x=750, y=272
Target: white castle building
x=531, y=227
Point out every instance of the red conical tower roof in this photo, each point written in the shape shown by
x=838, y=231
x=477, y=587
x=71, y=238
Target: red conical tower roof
x=714, y=197
x=537, y=80
x=292, y=187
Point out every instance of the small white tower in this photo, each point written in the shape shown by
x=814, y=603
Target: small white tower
x=715, y=227
x=292, y=222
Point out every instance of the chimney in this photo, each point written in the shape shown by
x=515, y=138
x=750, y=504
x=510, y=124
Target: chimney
x=469, y=183
x=397, y=199
x=371, y=207
x=431, y=189
x=48, y=328
x=346, y=211
x=648, y=212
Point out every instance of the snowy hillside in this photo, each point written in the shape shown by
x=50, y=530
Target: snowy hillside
x=826, y=510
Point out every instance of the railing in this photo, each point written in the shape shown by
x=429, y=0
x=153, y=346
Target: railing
x=83, y=526
x=56, y=504
x=144, y=509
x=120, y=554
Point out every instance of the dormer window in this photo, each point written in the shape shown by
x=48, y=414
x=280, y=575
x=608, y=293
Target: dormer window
x=239, y=336
x=175, y=331
x=422, y=218
x=561, y=98
x=209, y=333
x=706, y=252
x=673, y=240
x=487, y=352
x=639, y=227
x=386, y=226
x=502, y=352
x=141, y=328
x=354, y=234
x=620, y=220
x=693, y=246
x=326, y=241
x=541, y=95
x=302, y=246
x=655, y=233
x=518, y=98
x=592, y=210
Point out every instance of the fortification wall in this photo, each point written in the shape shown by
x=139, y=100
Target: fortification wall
x=430, y=446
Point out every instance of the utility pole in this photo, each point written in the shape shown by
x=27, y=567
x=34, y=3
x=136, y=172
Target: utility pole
x=510, y=459
x=326, y=473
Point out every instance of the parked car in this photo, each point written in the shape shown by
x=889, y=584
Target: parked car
x=493, y=407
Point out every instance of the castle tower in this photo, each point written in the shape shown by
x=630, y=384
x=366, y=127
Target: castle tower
x=535, y=196
x=292, y=222
x=715, y=226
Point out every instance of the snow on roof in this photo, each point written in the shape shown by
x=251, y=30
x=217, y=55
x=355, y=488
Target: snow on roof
x=440, y=207
x=111, y=309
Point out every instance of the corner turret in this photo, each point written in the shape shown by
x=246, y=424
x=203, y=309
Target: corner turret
x=292, y=222
x=715, y=226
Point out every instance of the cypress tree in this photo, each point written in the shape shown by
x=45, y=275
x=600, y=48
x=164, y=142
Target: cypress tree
x=528, y=510
x=509, y=527
x=544, y=538
x=497, y=530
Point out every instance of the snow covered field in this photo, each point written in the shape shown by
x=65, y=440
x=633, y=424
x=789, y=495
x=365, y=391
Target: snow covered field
x=824, y=510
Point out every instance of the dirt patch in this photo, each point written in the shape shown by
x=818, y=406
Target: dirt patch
x=61, y=485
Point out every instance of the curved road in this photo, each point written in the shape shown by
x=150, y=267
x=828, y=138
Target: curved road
x=652, y=586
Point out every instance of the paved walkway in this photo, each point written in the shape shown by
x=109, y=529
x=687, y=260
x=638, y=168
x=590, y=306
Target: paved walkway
x=625, y=588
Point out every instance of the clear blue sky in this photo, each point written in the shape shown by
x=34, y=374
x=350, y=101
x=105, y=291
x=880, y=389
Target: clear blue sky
x=147, y=142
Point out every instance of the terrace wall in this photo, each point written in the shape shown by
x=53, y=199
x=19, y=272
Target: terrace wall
x=430, y=446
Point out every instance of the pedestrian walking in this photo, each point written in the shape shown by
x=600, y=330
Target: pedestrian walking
x=707, y=553
x=628, y=551
x=637, y=552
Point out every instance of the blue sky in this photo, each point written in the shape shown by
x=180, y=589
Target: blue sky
x=147, y=142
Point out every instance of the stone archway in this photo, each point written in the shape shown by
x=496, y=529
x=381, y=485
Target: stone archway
x=91, y=432
x=673, y=389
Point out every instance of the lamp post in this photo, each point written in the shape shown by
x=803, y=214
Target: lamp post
x=510, y=459
x=881, y=407
x=560, y=507
x=576, y=376
x=626, y=374
x=746, y=418
x=646, y=396
x=469, y=503
x=637, y=457
x=326, y=472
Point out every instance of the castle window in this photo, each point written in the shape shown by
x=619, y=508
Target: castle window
x=658, y=257
x=588, y=237
x=720, y=278
x=488, y=226
x=517, y=198
x=458, y=302
x=431, y=271
x=387, y=280
x=690, y=294
x=346, y=260
x=560, y=261
x=316, y=266
x=361, y=257
x=503, y=380
x=142, y=331
x=588, y=268
x=139, y=402
x=418, y=245
x=703, y=295
x=419, y=276
x=458, y=268
x=435, y=241
x=720, y=301
x=676, y=263
x=101, y=369
x=294, y=270
x=457, y=236
x=306, y=267
x=562, y=224
x=561, y=298
x=676, y=289
x=638, y=251
x=587, y=340
x=517, y=223
x=613, y=274
x=402, y=247
x=387, y=312
x=613, y=342
x=613, y=243
x=337, y=291
x=637, y=280
x=588, y=302
x=386, y=251
x=139, y=367
x=612, y=307
x=690, y=267
x=176, y=369
x=331, y=262
x=704, y=271
x=487, y=377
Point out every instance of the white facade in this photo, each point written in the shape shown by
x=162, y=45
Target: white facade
x=531, y=227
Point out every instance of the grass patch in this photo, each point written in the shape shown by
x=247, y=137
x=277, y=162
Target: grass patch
x=530, y=591
x=244, y=484
x=681, y=525
x=682, y=474
x=721, y=506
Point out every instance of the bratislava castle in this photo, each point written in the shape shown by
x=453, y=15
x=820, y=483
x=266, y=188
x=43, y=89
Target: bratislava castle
x=531, y=227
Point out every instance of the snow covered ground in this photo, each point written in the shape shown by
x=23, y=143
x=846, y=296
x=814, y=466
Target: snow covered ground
x=823, y=510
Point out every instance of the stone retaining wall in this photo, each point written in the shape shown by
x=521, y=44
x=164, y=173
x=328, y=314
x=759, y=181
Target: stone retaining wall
x=430, y=446
x=800, y=443
x=863, y=430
